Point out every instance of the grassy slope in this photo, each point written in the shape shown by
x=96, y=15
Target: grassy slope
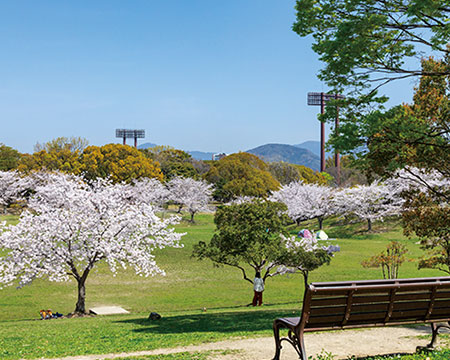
x=189, y=286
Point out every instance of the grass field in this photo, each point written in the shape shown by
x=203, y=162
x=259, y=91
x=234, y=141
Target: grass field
x=189, y=286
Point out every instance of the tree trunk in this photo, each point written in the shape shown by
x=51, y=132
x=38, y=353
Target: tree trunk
x=179, y=209
x=192, y=217
x=80, y=308
x=369, y=225
x=320, y=222
x=305, y=279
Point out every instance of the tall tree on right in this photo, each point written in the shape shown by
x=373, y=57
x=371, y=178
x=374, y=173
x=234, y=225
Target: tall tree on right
x=368, y=43
x=364, y=45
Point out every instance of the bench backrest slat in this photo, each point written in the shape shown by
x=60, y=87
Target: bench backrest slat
x=378, y=302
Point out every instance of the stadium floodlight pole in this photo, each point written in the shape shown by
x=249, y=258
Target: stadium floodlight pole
x=320, y=99
x=130, y=134
x=337, y=160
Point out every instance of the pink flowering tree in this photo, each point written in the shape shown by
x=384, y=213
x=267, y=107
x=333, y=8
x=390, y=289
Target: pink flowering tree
x=72, y=226
x=12, y=187
x=194, y=195
x=369, y=202
x=303, y=255
x=149, y=191
x=426, y=212
x=409, y=179
x=306, y=201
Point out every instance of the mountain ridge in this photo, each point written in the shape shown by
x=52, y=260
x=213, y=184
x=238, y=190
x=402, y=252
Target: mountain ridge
x=306, y=153
x=287, y=153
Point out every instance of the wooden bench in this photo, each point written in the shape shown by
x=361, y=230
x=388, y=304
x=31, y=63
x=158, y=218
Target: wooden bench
x=360, y=304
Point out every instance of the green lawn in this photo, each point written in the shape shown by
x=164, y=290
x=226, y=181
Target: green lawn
x=188, y=287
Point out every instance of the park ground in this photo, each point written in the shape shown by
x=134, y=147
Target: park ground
x=199, y=303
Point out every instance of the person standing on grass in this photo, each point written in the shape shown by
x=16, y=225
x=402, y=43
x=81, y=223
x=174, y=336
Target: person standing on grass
x=258, y=287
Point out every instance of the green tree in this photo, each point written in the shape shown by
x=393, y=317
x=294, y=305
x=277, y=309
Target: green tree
x=286, y=173
x=120, y=162
x=427, y=216
x=9, y=158
x=248, y=236
x=365, y=44
x=350, y=172
x=241, y=174
x=368, y=43
x=73, y=144
x=173, y=162
x=389, y=260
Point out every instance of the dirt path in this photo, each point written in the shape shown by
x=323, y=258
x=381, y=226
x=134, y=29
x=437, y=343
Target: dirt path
x=343, y=344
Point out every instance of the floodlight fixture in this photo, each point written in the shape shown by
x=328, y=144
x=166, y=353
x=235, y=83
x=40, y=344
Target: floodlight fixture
x=130, y=134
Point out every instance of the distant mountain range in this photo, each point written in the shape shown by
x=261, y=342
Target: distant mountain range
x=314, y=147
x=306, y=153
x=287, y=153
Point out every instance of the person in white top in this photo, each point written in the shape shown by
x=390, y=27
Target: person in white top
x=258, y=287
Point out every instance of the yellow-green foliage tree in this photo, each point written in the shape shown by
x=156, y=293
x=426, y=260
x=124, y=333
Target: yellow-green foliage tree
x=62, y=154
x=56, y=159
x=309, y=176
x=241, y=174
x=286, y=173
x=73, y=144
x=119, y=162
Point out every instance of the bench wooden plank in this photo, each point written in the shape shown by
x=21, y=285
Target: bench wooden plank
x=359, y=304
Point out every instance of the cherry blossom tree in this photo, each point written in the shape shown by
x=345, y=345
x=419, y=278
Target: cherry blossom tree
x=369, y=202
x=426, y=212
x=411, y=178
x=8, y=187
x=303, y=255
x=12, y=187
x=241, y=200
x=150, y=191
x=306, y=201
x=192, y=194
x=73, y=225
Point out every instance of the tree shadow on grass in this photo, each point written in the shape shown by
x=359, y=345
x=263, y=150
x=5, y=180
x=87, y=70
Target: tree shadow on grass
x=225, y=322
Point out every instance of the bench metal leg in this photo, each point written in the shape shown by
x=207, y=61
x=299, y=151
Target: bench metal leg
x=296, y=340
x=276, y=335
x=435, y=331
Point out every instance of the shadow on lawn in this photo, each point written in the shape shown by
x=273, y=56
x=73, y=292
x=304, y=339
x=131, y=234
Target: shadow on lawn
x=225, y=322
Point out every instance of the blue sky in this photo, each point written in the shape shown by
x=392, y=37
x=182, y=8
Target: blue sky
x=196, y=75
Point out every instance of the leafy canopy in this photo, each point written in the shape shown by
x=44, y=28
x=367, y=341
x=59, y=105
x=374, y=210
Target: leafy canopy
x=247, y=234
x=9, y=158
x=173, y=162
x=120, y=162
x=241, y=174
x=367, y=43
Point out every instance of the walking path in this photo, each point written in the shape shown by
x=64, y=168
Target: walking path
x=375, y=341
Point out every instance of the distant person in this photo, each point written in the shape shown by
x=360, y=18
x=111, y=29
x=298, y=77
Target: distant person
x=258, y=287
